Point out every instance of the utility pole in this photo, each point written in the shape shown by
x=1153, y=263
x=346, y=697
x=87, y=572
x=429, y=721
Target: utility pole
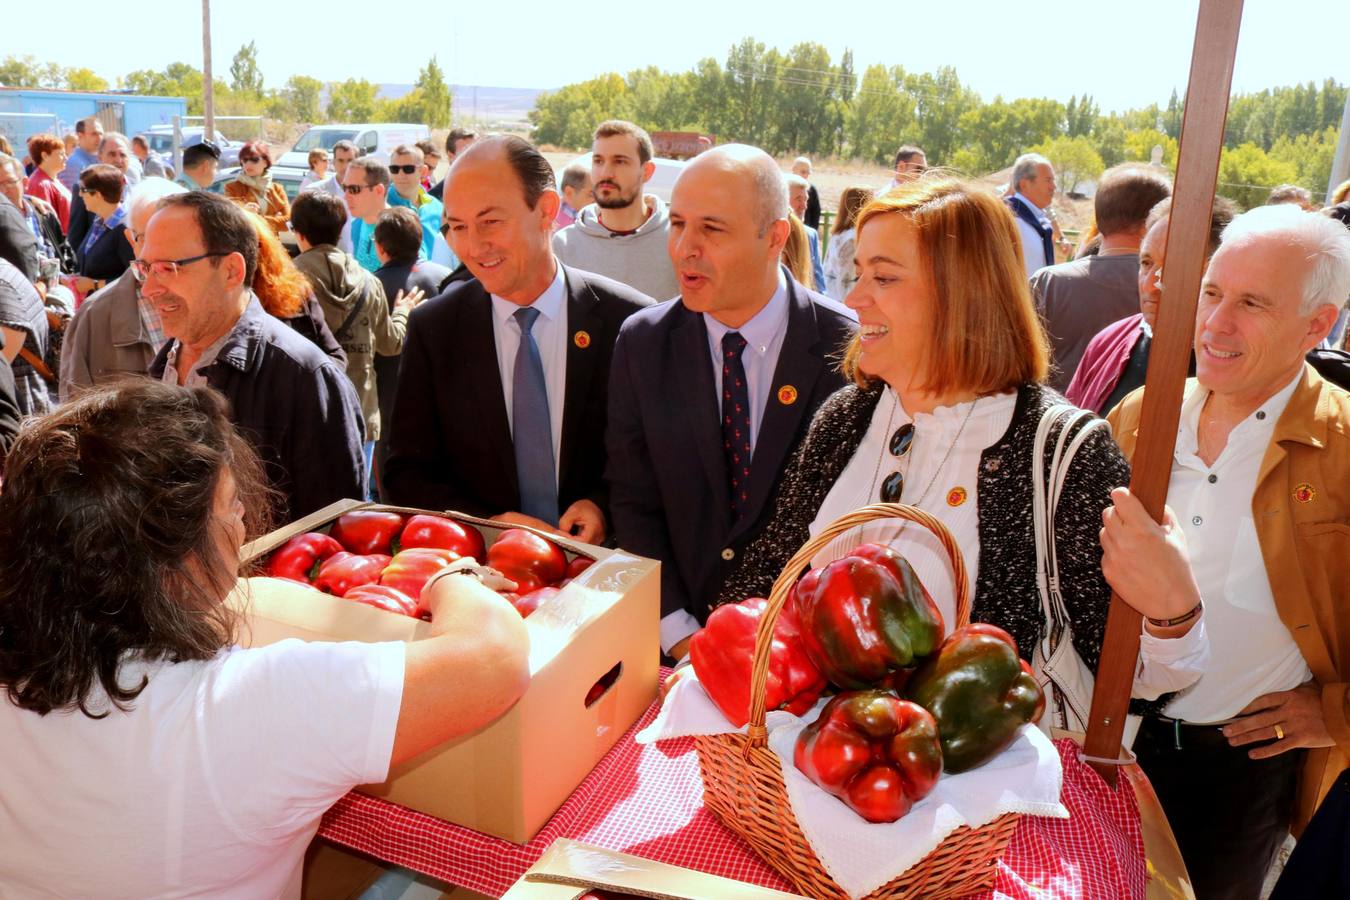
x=1340, y=165
x=208, y=81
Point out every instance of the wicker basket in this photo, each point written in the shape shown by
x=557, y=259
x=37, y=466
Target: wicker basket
x=743, y=783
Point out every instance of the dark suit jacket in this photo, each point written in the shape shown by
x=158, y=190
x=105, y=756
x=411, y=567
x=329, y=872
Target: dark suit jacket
x=108, y=257
x=450, y=438
x=80, y=220
x=667, y=473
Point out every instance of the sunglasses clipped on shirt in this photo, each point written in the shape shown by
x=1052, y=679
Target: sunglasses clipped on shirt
x=901, y=442
x=406, y=170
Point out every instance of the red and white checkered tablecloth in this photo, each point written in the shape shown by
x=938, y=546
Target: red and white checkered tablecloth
x=648, y=801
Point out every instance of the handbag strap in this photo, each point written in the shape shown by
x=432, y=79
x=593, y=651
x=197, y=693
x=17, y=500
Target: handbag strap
x=1045, y=502
x=38, y=365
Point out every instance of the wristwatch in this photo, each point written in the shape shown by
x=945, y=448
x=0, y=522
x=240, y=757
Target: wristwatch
x=1177, y=620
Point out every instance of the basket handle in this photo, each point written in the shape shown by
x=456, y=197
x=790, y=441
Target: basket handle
x=782, y=587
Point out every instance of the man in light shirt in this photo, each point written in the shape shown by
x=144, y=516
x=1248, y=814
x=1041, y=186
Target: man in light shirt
x=1259, y=487
x=88, y=136
x=1033, y=183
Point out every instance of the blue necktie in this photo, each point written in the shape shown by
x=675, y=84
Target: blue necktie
x=736, y=422
x=532, y=433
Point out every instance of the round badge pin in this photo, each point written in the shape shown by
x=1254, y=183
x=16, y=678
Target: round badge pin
x=582, y=339
x=787, y=395
x=1305, y=493
x=956, y=496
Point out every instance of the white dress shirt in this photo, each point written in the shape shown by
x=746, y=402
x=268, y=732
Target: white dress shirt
x=953, y=499
x=764, y=336
x=1033, y=247
x=550, y=335
x=1254, y=653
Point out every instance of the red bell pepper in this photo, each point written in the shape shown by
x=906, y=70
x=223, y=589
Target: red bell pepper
x=367, y=531
x=298, y=559
x=343, y=571
x=979, y=691
x=724, y=652
x=443, y=534
x=527, y=559
x=530, y=602
x=866, y=615
x=877, y=753
x=410, y=570
x=382, y=596
x=578, y=565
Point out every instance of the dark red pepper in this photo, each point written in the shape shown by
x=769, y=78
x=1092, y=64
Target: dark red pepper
x=443, y=534
x=530, y=602
x=578, y=565
x=366, y=531
x=724, y=652
x=298, y=559
x=877, y=753
x=343, y=571
x=410, y=570
x=527, y=559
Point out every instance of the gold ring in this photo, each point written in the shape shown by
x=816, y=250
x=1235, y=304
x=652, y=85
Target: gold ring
x=1279, y=733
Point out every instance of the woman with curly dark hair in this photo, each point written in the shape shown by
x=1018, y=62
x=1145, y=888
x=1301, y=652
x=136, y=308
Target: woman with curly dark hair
x=145, y=755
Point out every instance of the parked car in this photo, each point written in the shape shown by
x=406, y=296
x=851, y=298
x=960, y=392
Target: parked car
x=374, y=139
x=661, y=182
x=160, y=139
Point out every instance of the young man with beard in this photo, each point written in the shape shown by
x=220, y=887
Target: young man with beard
x=623, y=234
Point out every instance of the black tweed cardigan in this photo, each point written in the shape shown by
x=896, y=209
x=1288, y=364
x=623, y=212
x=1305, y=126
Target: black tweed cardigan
x=1006, y=592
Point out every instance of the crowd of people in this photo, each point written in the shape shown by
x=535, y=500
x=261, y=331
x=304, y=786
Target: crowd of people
x=695, y=381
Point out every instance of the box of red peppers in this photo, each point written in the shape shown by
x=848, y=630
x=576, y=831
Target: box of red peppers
x=353, y=572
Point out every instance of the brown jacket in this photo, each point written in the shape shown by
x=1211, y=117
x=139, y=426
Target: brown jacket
x=278, y=205
x=107, y=339
x=1302, y=511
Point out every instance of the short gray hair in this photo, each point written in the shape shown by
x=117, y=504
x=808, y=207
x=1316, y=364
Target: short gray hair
x=1325, y=242
x=110, y=136
x=148, y=193
x=576, y=174
x=14, y=164
x=1025, y=167
x=802, y=161
x=794, y=180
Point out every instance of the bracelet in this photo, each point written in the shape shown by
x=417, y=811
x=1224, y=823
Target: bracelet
x=1184, y=617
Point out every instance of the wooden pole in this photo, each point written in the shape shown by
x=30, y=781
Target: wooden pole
x=208, y=79
x=1211, y=78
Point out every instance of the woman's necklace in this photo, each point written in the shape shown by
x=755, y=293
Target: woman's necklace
x=940, y=466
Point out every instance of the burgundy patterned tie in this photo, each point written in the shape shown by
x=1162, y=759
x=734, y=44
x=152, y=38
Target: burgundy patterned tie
x=736, y=422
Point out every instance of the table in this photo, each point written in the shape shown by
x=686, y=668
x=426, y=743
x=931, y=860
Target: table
x=648, y=801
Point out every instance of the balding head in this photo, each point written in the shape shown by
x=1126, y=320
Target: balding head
x=765, y=188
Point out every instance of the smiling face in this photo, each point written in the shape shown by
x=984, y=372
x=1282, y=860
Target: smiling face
x=894, y=298
x=202, y=302
x=1152, y=252
x=1250, y=338
x=725, y=257
x=504, y=242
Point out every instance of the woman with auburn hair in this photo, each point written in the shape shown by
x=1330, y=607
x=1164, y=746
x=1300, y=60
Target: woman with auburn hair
x=942, y=414
x=797, y=253
x=254, y=189
x=49, y=158
x=285, y=292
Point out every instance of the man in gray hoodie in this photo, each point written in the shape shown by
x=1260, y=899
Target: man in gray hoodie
x=353, y=300
x=622, y=235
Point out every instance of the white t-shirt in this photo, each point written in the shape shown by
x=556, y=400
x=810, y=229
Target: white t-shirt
x=211, y=785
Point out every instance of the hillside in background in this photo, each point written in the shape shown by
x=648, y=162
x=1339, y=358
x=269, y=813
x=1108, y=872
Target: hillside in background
x=476, y=102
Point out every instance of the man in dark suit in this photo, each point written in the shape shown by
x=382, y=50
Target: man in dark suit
x=501, y=401
x=710, y=392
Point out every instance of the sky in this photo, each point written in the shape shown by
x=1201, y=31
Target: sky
x=1125, y=55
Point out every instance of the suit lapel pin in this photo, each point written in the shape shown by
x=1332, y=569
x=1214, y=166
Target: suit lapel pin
x=1305, y=493
x=956, y=496
x=582, y=339
x=787, y=395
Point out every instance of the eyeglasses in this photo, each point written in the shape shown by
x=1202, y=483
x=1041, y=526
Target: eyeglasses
x=165, y=268
x=894, y=485
x=406, y=170
x=356, y=188
x=249, y=159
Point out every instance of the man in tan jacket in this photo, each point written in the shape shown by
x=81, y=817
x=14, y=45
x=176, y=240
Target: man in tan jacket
x=1261, y=487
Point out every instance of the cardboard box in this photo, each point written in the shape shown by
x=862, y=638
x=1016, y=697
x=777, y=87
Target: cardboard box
x=508, y=778
x=568, y=870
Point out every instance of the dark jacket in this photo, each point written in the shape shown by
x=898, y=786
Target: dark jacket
x=295, y=405
x=55, y=235
x=106, y=339
x=667, y=473
x=9, y=406
x=812, y=217
x=311, y=324
x=108, y=257
x=450, y=437
x=18, y=245
x=1006, y=592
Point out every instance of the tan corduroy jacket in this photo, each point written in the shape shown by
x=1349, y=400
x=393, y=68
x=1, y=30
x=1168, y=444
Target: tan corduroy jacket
x=1302, y=512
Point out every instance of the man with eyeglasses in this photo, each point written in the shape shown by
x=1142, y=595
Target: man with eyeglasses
x=286, y=396
x=114, y=150
x=405, y=168
x=366, y=187
x=117, y=331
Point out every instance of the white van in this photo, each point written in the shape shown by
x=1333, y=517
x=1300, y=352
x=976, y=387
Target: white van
x=376, y=139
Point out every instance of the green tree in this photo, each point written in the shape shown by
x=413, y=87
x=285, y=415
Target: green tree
x=1311, y=155
x=245, y=76
x=19, y=72
x=1109, y=139
x=1074, y=158
x=352, y=100
x=1139, y=147
x=998, y=132
x=435, y=95
x=1080, y=116
x=567, y=117
x=940, y=100
x=85, y=80
x=880, y=113
x=1247, y=173
x=302, y=97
